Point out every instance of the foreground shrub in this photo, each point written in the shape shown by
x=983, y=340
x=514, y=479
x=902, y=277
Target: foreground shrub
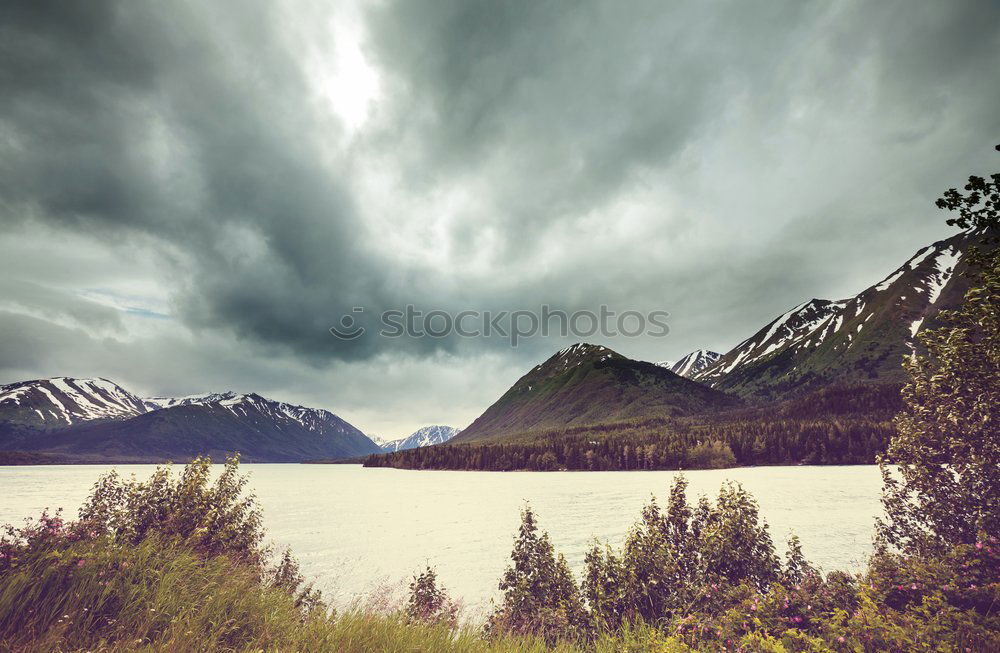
x=540, y=596
x=430, y=603
x=211, y=517
x=676, y=560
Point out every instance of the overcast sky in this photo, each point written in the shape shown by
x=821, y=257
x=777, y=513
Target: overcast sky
x=192, y=193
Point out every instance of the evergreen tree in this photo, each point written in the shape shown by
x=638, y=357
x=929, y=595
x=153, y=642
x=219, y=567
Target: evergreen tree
x=540, y=596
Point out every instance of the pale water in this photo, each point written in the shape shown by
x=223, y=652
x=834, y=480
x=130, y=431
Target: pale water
x=356, y=529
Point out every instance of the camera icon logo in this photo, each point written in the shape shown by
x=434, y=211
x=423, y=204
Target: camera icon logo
x=349, y=329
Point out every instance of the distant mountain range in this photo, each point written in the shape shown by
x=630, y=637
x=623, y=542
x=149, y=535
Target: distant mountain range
x=100, y=420
x=819, y=383
x=424, y=437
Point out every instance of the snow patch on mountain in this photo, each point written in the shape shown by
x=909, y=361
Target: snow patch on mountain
x=944, y=267
x=63, y=401
x=695, y=362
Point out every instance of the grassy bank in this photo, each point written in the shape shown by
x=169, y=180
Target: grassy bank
x=96, y=595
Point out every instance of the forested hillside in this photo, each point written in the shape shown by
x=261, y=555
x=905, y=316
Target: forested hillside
x=836, y=425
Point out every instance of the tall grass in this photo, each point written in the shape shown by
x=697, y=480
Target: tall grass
x=159, y=595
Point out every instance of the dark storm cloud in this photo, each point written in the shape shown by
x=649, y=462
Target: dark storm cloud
x=717, y=159
x=188, y=130
x=567, y=107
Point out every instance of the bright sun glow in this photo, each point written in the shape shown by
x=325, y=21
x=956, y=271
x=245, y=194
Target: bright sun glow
x=343, y=75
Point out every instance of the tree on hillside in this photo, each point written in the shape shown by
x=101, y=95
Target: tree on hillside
x=947, y=488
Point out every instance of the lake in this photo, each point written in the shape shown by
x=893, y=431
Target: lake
x=356, y=529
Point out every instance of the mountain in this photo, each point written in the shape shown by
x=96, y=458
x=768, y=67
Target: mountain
x=820, y=385
x=424, y=437
x=692, y=364
x=377, y=439
x=96, y=419
x=585, y=385
x=62, y=401
x=855, y=340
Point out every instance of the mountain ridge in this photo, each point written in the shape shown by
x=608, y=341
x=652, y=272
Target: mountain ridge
x=99, y=418
x=587, y=384
x=856, y=339
x=425, y=436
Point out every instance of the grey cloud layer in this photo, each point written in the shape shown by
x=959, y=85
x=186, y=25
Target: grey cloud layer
x=720, y=160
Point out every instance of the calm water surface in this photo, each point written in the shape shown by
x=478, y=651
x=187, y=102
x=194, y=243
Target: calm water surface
x=355, y=529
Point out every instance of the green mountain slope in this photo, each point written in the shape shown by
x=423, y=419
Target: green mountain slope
x=586, y=385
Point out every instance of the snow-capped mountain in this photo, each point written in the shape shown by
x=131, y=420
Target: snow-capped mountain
x=856, y=339
x=246, y=405
x=46, y=404
x=98, y=418
x=695, y=362
x=424, y=437
x=378, y=439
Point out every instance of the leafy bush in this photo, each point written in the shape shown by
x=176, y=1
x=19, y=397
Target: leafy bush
x=213, y=518
x=540, y=596
x=428, y=602
x=677, y=560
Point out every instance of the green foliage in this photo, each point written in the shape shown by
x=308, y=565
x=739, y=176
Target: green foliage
x=159, y=595
x=677, y=560
x=214, y=518
x=978, y=207
x=702, y=578
x=428, y=602
x=947, y=488
x=287, y=577
x=796, y=567
x=540, y=596
x=711, y=455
